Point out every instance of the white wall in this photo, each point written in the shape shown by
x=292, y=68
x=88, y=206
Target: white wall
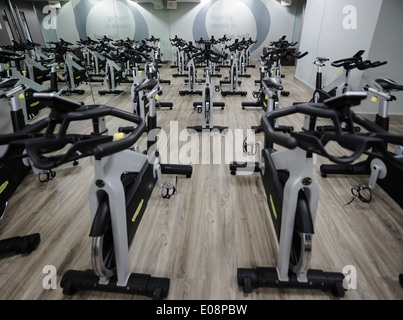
x=66, y=27
x=386, y=45
x=323, y=35
x=378, y=32
x=235, y=17
x=262, y=20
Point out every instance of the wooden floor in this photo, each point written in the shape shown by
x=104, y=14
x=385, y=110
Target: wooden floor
x=215, y=224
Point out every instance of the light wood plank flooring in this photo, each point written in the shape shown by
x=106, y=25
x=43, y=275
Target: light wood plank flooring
x=216, y=223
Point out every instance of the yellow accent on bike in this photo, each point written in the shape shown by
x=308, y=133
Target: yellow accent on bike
x=137, y=210
x=273, y=208
x=3, y=187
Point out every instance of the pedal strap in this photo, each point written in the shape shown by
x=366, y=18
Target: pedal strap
x=356, y=192
x=47, y=175
x=168, y=190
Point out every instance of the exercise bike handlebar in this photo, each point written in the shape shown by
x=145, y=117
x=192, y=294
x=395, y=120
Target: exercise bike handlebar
x=273, y=55
x=190, y=49
x=315, y=141
x=277, y=54
x=10, y=56
x=136, y=54
x=357, y=62
x=240, y=45
x=224, y=38
x=38, y=145
x=294, y=56
x=152, y=39
x=282, y=43
x=208, y=54
x=368, y=64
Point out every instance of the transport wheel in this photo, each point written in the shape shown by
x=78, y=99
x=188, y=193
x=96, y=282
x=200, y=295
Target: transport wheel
x=339, y=290
x=247, y=285
x=157, y=293
x=68, y=288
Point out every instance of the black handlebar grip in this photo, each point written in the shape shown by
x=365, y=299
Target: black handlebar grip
x=87, y=145
x=281, y=139
x=109, y=148
x=303, y=55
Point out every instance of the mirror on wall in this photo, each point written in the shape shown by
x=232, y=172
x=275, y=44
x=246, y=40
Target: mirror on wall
x=77, y=33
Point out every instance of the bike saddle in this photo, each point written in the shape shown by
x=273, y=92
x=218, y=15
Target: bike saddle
x=346, y=100
x=8, y=83
x=57, y=102
x=146, y=85
x=388, y=84
x=271, y=83
x=322, y=59
x=10, y=56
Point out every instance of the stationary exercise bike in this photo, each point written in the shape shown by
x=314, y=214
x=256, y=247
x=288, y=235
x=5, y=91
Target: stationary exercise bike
x=114, y=74
x=140, y=103
x=271, y=87
x=340, y=84
x=244, y=57
x=93, y=59
x=223, y=40
x=180, y=62
x=205, y=107
x=293, y=194
x=123, y=182
x=157, y=49
x=12, y=173
x=192, y=80
x=14, y=167
x=34, y=70
x=152, y=63
x=269, y=67
x=232, y=80
x=387, y=172
x=9, y=65
x=211, y=63
x=75, y=72
x=247, y=52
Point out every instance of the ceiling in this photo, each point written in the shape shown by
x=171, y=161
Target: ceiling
x=163, y=3
x=154, y=1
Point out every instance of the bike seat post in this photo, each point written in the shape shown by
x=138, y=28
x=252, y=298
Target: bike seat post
x=14, y=95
